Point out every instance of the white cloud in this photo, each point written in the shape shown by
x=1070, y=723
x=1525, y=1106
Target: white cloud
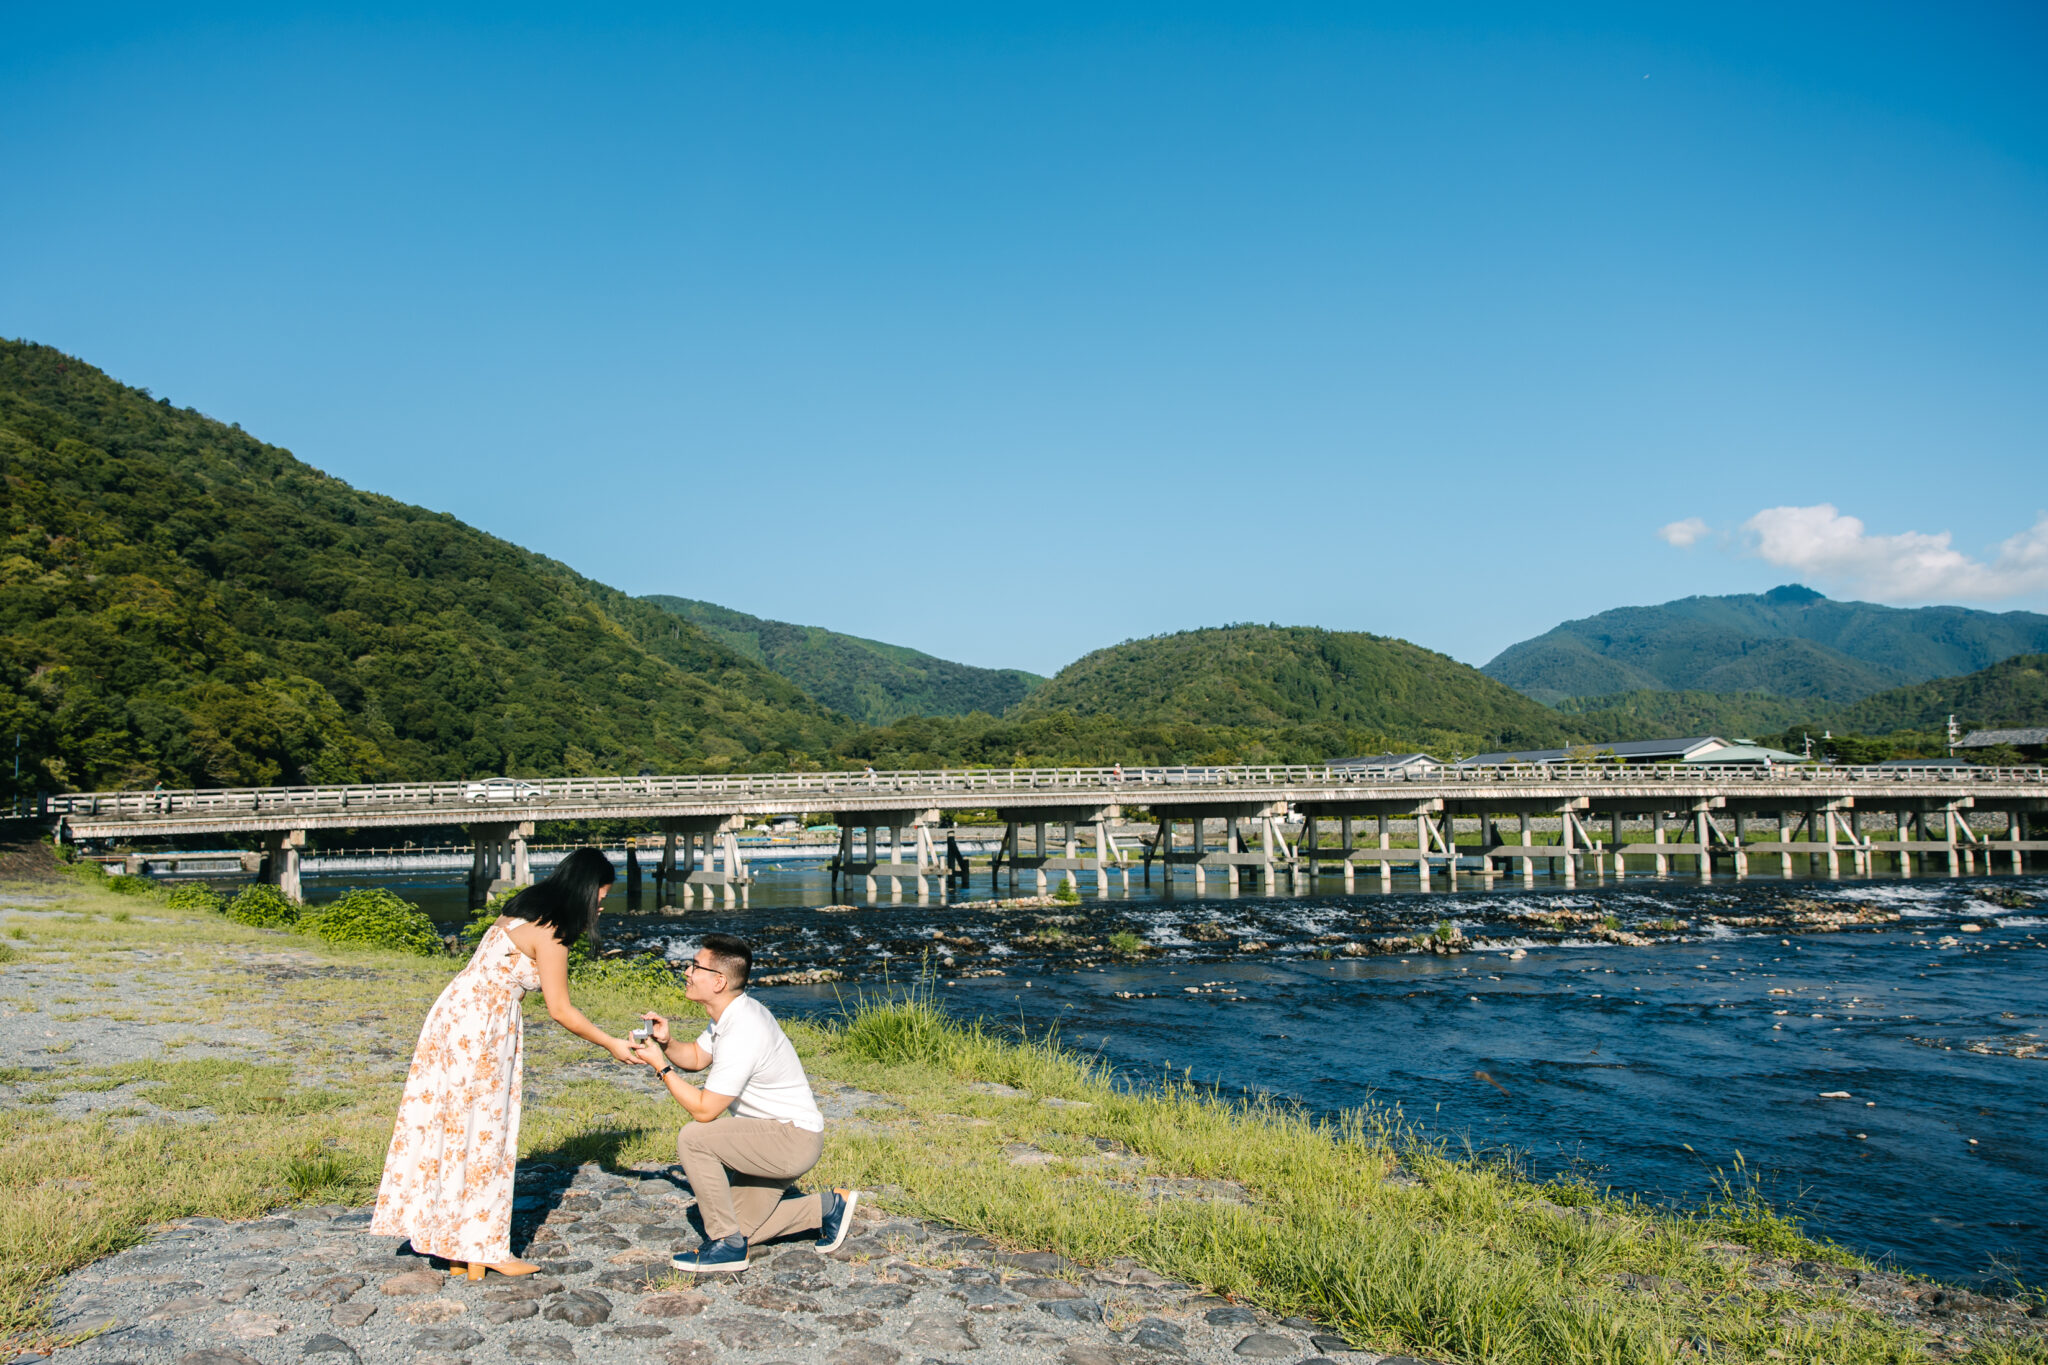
x=1822, y=543
x=1684, y=534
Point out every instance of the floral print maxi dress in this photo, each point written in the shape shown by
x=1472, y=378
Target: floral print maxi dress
x=448, y=1175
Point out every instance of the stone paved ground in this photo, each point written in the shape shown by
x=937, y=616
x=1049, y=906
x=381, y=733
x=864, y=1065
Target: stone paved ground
x=313, y=1286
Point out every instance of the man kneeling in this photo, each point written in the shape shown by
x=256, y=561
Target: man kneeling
x=741, y=1164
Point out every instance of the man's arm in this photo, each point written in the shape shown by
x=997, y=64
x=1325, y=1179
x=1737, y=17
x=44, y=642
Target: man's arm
x=701, y=1105
x=687, y=1055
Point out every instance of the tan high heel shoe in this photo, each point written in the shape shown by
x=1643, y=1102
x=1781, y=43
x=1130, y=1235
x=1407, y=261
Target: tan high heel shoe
x=512, y=1268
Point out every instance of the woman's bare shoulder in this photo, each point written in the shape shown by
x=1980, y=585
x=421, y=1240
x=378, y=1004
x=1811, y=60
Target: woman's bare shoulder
x=528, y=937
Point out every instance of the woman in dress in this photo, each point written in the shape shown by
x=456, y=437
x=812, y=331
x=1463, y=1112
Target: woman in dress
x=448, y=1174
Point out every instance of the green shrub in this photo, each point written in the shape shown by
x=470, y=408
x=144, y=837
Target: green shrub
x=131, y=886
x=87, y=871
x=484, y=916
x=196, y=896
x=1126, y=944
x=262, y=906
x=372, y=917
x=646, y=977
x=1068, y=894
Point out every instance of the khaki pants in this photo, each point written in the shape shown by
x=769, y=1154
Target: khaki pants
x=740, y=1169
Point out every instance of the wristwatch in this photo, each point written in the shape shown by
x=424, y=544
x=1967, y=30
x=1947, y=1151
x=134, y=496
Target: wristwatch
x=666, y=1067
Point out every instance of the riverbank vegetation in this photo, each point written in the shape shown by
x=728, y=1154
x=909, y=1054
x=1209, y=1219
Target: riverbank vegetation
x=1389, y=1239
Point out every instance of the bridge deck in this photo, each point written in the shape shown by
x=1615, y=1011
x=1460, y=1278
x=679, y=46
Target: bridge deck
x=1048, y=792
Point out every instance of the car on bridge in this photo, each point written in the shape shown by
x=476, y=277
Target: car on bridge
x=495, y=790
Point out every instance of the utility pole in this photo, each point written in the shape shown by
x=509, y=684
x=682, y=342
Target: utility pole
x=1952, y=736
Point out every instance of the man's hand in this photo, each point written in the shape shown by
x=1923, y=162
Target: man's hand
x=622, y=1050
x=657, y=1027
x=650, y=1054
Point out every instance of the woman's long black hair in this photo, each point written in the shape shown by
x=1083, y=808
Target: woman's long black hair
x=567, y=901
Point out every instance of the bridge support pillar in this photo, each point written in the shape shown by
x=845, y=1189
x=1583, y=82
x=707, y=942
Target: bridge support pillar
x=280, y=864
x=923, y=864
x=498, y=860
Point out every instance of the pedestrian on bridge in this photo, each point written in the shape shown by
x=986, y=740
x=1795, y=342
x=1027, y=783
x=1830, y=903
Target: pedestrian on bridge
x=448, y=1173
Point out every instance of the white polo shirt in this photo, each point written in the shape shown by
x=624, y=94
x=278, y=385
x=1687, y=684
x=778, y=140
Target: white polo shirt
x=753, y=1061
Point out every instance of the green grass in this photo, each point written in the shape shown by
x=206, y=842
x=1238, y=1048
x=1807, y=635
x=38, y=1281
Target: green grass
x=1124, y=943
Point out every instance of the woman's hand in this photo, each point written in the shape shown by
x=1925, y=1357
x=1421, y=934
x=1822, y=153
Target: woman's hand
x=657, y=1027
x=622, y=1050
x=648, y=1053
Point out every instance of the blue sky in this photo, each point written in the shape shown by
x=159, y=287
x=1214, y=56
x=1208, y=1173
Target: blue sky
x=1009, y=333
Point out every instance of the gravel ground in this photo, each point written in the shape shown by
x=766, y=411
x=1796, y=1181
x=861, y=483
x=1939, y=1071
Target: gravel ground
x=55, y=1039
x=314, y=1286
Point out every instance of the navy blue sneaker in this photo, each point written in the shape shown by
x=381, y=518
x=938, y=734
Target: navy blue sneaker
x=837, y=1206
x=726, y=1256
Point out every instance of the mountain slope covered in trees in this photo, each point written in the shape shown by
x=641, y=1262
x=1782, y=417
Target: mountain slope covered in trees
x=2011, y=694
x=1788, y=642
x=180, y=602
x=865, y=679
x=1254, y=676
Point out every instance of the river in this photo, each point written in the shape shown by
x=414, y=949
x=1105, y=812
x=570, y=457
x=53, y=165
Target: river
x=1886, y=1080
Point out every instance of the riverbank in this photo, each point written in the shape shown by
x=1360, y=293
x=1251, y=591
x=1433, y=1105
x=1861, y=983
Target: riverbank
x=137, y=1038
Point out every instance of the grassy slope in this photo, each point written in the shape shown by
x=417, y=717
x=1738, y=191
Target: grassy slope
x=1469, y=1263
x=185, y=603
x=1295, y=675
x=866, y=679
x=1790, y=642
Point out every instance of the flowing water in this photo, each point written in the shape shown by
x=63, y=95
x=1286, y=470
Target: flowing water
x=1882, y=1070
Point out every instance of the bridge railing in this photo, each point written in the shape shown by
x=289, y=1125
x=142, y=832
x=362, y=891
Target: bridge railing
x=530, y=798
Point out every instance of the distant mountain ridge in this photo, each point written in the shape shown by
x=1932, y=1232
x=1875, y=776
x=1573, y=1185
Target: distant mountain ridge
x=1790, y=642
x=2012, y=693
x=868, y=680
x=1297, y=675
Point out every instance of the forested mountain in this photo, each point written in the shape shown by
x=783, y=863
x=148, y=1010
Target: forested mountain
x=2010, y=694
x=1651, y=714
x=865, y=679
x=180, y=602
x=1789, y=642
x=1266, y=676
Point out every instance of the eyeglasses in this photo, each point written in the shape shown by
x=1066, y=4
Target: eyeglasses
x=698, y=967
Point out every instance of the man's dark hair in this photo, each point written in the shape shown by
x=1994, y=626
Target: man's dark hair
x=567, y=901
x=733, y=956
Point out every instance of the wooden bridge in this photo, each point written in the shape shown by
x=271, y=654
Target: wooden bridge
x=1066, y=820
